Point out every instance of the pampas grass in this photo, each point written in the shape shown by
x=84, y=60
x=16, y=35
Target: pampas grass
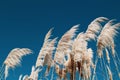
x=65, y=44
x=94, y=28
x=64, y=49
x=105, y=41
x=106, y=37
x=44, y=50
x=14, y=58
x=82, y=55
x=45, y=55
x=72, y=55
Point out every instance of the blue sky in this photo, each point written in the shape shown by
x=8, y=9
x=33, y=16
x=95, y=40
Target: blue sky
x=24, y=23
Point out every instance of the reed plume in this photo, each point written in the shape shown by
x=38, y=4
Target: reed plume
x=106, y=37
x=14, y=58
x=72, y=54
x=64, y=48
x=82, y=55
x=106, y=42
x=65, y=44
x=46, y=52
x=94, y=28
x=43, y=51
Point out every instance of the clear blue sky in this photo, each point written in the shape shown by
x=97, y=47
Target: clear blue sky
x=24, y=23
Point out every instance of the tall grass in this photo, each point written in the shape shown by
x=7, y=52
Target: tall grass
x=73, y=56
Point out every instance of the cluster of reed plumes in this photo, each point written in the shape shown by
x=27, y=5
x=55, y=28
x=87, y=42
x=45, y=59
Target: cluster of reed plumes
x=72, y=54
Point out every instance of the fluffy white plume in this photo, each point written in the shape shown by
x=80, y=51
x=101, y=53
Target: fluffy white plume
x=106, y=37
x=65, y=45
x=45, y=54
x=82, y=55
x=43, y=51
x=79, y=47
x=48, y=58
x=14, y=58
x=94, y=28
x=47, y=37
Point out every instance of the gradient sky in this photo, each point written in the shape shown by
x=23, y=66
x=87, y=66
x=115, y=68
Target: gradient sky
x=24, y=23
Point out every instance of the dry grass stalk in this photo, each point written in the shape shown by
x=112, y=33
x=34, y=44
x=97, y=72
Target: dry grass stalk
x=46, y=53
x=14, y=58
x=94, y=28
x=109, y=73
x=107, y=56
x=44, y=49
x=65, y=44
x=82, y=56
x=78, y=49
x=48, y=60
x=64, y=48
x=106, y=37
